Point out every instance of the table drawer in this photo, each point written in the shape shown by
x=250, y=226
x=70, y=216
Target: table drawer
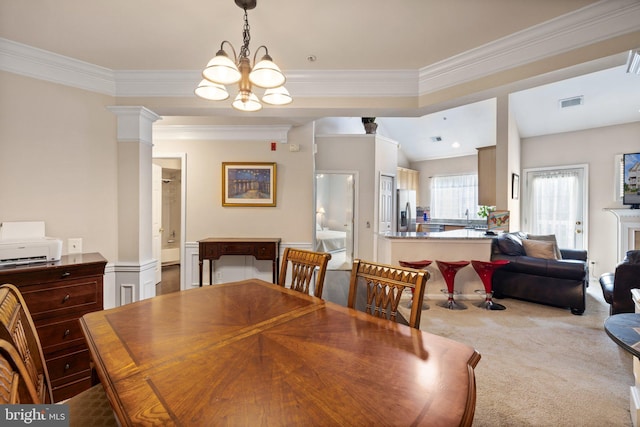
x=70, y=364
x=264, y=251
x=81, y=294
x=55, y=336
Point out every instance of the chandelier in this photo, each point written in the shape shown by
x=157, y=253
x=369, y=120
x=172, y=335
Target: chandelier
x=221, y=71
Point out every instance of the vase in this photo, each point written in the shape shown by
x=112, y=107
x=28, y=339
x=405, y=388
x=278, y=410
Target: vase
x=370, y=127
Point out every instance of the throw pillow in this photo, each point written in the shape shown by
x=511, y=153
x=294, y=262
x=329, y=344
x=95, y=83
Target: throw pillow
x=510, y=244
x=548, y=238
x=539, y=249
x=633, y=257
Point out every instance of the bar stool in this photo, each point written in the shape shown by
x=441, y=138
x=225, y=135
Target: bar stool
x=418, y=265
x=485, y=270
x=449, y=270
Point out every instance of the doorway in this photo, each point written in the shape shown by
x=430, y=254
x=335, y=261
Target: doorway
x=170, y=216
x=555, y=202
x=335, y=218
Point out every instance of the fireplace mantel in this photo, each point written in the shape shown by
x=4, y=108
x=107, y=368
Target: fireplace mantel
x=628, y=230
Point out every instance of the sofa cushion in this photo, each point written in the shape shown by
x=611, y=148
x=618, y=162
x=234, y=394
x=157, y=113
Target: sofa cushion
x=510, y=244
x=539, y=248
x=547, y=238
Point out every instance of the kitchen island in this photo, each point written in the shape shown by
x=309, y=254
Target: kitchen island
x=454, y=245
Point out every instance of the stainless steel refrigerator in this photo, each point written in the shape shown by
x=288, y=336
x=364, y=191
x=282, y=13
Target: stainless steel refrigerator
x=406, y=215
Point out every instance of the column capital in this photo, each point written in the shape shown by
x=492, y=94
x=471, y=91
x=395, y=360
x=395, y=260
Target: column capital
x=134, y=123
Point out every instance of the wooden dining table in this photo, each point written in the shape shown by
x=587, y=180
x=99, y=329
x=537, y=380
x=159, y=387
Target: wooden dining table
x=252, y=353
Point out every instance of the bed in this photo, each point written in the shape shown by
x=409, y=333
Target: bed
x=330, y=240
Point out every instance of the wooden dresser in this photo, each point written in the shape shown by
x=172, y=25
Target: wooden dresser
x=57, y=295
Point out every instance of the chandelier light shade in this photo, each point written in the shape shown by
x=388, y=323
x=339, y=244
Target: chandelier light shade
x=222, y=70
x=211, y=91
x=277, y=96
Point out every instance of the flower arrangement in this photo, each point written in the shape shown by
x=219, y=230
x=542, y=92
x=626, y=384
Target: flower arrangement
x=483, y=211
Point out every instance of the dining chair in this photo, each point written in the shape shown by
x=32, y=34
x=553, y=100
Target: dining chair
x=384, y=285
x=90, y=407
x=303, y=265
x=13, y=387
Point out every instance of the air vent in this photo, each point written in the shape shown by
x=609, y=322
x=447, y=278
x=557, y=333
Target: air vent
x=572, y=102
x=436, y=138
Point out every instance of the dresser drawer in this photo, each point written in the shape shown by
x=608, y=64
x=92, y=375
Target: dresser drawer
x=78, y=362
x=34, y=275
x=56, y=336
x=70, y=389
x=83, y=294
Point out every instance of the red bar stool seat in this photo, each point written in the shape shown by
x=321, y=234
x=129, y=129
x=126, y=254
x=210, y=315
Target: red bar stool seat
x=418, y=265
x=449, y=270
x=485, y=270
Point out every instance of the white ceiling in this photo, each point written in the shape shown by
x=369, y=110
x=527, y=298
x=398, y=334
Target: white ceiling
x=406, y=36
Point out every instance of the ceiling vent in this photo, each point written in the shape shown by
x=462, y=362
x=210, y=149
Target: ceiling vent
x=572, y=102
x=436, y=138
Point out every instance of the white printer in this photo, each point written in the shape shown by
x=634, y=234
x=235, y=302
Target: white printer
x=24, y=242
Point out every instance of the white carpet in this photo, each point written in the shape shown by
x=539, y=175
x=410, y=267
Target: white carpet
x=541, y=366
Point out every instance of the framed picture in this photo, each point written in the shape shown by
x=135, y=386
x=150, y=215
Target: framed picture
x=515, y=186
x=498, y=221
x=248, y=184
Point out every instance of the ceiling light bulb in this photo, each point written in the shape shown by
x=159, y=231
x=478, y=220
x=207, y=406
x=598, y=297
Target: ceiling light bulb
x=251, y=103
x=221, y=70
x=456, y=144
x=211, y=91
x=277, y=96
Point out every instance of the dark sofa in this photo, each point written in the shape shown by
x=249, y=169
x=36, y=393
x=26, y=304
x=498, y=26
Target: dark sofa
x=616, y=286
x=557, y=282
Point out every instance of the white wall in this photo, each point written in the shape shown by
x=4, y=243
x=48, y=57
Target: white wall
x=597, y=148
x=58, y=161
x=292, y=218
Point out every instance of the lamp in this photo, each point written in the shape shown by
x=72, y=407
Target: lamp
x=633, y=61
x=222, y=70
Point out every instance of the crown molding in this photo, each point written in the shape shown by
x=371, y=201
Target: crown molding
x=40, y=64
x=591, y=24
x=221, y=133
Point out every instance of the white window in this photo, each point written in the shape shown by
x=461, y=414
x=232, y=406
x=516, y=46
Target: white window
x=453, y=195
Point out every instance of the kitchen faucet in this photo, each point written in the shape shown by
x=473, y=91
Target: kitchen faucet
x=467, y=215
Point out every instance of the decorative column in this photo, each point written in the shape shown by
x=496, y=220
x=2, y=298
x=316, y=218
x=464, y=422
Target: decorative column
x=135, y=268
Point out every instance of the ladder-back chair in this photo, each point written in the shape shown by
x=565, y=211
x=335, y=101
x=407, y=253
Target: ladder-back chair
x=384, y=285
x=90, y=407
x=303, y=265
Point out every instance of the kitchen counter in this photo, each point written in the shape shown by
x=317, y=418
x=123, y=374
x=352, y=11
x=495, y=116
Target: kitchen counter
x=451, y=234
x=453, y=245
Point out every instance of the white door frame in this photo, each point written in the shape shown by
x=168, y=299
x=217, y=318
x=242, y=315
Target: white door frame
x=585, y=195
x=183, y=209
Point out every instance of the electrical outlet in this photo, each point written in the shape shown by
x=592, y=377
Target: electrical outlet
x=74, y=246
x=219, y=276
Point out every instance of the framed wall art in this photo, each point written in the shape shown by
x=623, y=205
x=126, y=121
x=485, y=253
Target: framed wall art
x=248, y=184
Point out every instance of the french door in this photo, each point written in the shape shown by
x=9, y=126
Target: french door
x=555, y=202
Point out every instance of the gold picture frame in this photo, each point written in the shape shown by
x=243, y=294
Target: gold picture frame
x=249, y=184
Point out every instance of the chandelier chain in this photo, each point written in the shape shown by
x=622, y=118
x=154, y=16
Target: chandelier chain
x=246, y=37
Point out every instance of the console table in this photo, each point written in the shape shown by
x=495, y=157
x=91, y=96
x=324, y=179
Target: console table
x=260, y=248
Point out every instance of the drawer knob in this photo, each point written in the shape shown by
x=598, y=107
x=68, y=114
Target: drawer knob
x=65, y=274
x=66, y=333
x=67, y=367
x=66, y=298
